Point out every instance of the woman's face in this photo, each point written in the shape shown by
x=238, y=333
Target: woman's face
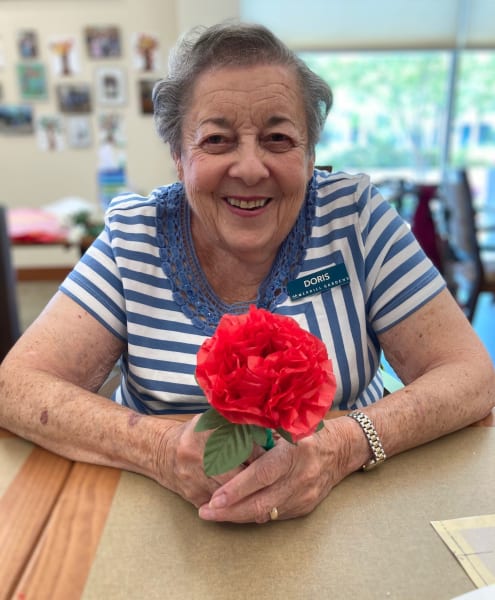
x=245, y=161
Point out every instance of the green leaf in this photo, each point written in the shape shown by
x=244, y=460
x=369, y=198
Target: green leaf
x=286, y=435
x=211, y=419
x=259, y=434
x=320, y=426
x=227, y=447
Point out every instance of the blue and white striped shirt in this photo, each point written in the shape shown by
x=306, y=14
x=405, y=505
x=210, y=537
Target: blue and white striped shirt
x=142, y=281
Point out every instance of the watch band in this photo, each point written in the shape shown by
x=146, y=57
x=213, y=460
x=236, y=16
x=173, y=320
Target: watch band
x=369, y=430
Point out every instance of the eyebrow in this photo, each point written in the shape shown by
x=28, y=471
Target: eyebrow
x=278, y=120
x=218, y=121
x=223, y=122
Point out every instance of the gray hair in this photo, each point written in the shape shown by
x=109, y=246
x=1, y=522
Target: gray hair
x=229, y=44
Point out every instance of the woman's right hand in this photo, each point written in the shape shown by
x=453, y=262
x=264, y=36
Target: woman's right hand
x=179, y=463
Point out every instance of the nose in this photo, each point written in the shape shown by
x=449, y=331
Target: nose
x=249, y=164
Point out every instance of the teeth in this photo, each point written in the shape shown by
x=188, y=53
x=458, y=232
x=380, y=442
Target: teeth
x=247, y=204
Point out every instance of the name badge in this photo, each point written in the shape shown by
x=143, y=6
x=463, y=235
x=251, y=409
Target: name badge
x=318, y=282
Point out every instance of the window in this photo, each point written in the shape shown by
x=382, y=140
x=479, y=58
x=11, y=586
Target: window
x=390, y=110
x=473, y=128
x=388, y=113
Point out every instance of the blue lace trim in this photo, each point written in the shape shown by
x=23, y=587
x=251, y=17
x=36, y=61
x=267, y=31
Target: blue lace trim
x=191, y=290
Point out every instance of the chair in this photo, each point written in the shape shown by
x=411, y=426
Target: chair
x=328, y=168
x=467, y=272
x=9, y=318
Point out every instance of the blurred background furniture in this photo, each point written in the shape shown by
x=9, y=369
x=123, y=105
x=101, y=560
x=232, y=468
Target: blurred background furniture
x=469, y=262
x=9, y=319
x=418, y=203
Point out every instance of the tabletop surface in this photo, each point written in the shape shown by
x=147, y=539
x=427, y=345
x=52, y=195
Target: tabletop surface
x=96, y=532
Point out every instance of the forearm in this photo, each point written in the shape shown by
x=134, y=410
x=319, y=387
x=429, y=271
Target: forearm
x=443, y=400
x=79, y=424
x=449, y=377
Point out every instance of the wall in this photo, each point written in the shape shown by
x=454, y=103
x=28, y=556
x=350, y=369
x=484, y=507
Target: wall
x=32, y=177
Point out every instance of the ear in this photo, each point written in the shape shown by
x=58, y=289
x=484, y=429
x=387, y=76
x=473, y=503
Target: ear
x=311, y=166
x=178, y=166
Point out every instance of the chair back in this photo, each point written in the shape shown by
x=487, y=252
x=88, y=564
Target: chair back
x=464, y=268
x=9, y=318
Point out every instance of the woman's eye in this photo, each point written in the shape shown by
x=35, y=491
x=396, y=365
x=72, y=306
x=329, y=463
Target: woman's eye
x=278, y=142
x=217, y=143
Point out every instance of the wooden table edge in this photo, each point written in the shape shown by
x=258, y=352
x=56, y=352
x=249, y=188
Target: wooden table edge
x=30, y=498
x=58, y=566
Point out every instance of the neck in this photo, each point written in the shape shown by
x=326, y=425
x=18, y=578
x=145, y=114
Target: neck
x=232, y=278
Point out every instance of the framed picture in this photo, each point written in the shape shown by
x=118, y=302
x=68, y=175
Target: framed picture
x=103, y=42
x=65, y=55
x=27, y=43
x=110, y=86
x=78, y=132
x=32, y=81
x=145, y=90
x=16, y=119
x=146, y=55
x=49, y=131
x=74, y=98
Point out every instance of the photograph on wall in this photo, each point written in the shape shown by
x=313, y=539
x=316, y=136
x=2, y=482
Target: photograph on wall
x=64, y=55
x=78, y=132
x=49, y=132
x=111, y=141
x=32, y=81
x=27, y=43
x=145, y=89
x=74, y=98
x=16, y=119
x=110, y=86
x=112, y=173
x=146, y=56
x=103, y=42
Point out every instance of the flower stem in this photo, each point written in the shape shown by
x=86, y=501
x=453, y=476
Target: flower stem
x=270, y=443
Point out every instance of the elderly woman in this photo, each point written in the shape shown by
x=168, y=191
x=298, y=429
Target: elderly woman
x=248, y=217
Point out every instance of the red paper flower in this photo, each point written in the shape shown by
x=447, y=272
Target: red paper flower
x=263, y=369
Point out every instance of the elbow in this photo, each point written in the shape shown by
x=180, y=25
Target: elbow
x=486, y=387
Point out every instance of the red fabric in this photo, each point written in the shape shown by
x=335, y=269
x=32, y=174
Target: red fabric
x=423, y=225
x=34, y=226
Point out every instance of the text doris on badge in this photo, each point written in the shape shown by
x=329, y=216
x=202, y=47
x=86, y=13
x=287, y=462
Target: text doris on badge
x=317, y=279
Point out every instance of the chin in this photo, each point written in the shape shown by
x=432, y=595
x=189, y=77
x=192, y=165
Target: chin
x=250, y=246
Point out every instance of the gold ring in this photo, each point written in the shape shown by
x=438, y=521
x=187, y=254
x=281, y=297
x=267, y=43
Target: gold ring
x=274, y=514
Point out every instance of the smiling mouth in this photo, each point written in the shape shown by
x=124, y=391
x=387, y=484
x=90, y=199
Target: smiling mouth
x=248, y=204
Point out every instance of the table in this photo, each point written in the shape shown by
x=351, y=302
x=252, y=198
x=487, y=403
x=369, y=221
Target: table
x=73, y=530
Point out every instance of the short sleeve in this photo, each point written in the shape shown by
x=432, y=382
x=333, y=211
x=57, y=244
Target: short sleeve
x=400, y=278
x=95, y=284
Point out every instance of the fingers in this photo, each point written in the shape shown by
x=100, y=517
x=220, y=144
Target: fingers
x=185, y=465
x=259, y=474
x=292, y=479
x=244, y=498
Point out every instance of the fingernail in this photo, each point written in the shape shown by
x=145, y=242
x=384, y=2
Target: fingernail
x=219, y=501
x=205, y=513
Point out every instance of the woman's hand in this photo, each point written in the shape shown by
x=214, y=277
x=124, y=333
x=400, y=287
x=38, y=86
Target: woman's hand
x=180, y=463
x=294, y=479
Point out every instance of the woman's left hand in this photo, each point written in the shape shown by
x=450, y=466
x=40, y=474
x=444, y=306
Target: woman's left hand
x=294, y=479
